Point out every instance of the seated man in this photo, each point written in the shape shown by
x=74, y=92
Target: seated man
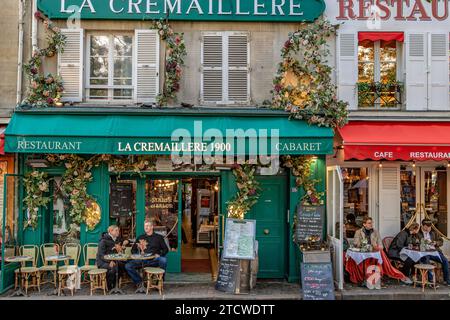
x=110, y=243
x=402, y=240
x=427, y=233
x=151, y=243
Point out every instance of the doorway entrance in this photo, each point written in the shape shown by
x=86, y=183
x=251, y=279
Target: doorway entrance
x=199, y=248
x=425, y=188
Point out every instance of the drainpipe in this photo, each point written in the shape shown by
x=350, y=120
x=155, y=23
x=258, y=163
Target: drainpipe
x=20, y=54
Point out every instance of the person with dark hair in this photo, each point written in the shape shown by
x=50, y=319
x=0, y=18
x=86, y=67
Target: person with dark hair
x=428, y=234
x=402, y=240
x=351, y=225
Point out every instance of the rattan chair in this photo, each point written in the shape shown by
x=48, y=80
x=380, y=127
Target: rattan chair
x=72, y=250
x=47, y=250
x=154, y=279
x=31, y=273
x=89, y=254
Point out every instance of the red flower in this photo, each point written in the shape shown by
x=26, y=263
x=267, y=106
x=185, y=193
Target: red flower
x=287, y=44
x=33, y=70
x=38, y=15
x=177, y=40
x=49, y=100
x=278, y=88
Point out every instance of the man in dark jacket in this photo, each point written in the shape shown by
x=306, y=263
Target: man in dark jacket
x=402, y=240
x=427, y=233
x=110, y=243
x=149, y=243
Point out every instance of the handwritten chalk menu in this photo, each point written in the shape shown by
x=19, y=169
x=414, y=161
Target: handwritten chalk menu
x=121, y=199
x=310, y=221
x=317, y=281
x=228, y=275
x=239, y=239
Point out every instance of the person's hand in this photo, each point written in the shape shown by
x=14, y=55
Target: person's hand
x=118, y=248
x=125, y=242
x=156, y=255
x=112, y=264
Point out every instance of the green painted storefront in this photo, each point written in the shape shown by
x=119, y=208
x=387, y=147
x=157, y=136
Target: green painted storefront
x=274, y=212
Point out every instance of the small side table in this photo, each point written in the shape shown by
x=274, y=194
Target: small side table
x=116, y=258
x=19, y=292
x=424, y=269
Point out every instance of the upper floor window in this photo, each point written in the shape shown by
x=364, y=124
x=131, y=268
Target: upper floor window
x=109, y=67
x=225, y=68
x=378, y=63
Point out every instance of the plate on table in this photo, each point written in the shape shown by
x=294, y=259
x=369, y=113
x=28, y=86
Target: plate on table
x=355, y=249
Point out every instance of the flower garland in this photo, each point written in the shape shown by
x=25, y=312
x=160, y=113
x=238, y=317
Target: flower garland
x=247, y=194
x=304, y=88
x=301, y=169
x=36, y=184
x=175, y=54
x=45, y=90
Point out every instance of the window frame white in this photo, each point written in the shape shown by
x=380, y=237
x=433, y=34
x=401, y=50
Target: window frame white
x=377, y=62
x=110, y=86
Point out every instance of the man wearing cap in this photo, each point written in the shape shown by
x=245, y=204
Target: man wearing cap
x=427, y=233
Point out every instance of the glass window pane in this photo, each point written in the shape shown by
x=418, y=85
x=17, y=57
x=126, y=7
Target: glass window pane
x=366, y=51
x=123, y=93
x=161, y=207
x=99, y=46
x=435, y=189
x=98, y=93
x=123, y=68
x=123, y=82
x=407, y=194
x=123, y=46
x=388, y=72
x=388, y=51
x=99, y=67
x=101, y=81
x=366, y=72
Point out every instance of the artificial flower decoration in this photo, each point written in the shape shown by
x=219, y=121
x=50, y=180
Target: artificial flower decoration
x=36, y=185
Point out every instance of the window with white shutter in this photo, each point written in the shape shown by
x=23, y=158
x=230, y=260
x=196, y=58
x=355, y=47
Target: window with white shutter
x=70, y=65
x=416, y=71
x=147, y=65
x=109, y=67
x=438, y=82
x=225, y=78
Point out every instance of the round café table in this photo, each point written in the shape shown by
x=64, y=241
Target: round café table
x=416, y=255
x=57, y=259
x=142, y=257
x=20, y=259
x=116, y=257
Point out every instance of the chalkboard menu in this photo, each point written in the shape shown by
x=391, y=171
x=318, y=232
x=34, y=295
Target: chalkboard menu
x=228, y=275
x=317, y=281
x=310, y=221
x=239, y=239
x=121, y=199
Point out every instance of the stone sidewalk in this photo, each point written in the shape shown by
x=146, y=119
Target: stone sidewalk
x=265, y=290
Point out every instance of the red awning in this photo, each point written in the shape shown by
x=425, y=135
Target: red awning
x=396, y=140
x=376, y=36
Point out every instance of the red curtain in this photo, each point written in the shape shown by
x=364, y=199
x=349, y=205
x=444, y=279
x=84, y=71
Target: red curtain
x=376, y=36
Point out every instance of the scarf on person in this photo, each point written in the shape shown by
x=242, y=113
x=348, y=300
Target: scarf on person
x=368, y=233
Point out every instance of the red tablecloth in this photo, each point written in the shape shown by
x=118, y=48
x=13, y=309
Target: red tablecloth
x=357, y=271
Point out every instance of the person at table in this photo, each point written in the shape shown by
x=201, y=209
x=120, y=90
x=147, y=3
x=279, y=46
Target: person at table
x=357, y=272
x=427, y=233
x=402, y=240
x=148, y=243
x=110, y=243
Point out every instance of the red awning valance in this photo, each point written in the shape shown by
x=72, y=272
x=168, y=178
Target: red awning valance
x=376, y=36
x=396, y=140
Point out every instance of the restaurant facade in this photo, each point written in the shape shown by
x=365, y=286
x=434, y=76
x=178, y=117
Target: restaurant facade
x=173, y=164
x=392, y=66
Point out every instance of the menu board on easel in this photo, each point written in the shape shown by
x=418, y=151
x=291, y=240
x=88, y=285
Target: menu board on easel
x=310, y=220
x=239, y=239
x=227, y=275
x=317, y=281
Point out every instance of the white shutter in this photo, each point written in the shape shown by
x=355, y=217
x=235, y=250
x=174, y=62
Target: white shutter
x=212, y=68
x=146, y=65
x=347, y=73
x=389, y=201
x=70, y=65
x=438, y=77
x=238, y=68
x=416, y=72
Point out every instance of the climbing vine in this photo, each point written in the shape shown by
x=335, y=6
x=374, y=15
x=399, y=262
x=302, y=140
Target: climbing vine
x=248, y=191
x=45, y=89
x=175, y=54
x=304, y=88
x=36, y=184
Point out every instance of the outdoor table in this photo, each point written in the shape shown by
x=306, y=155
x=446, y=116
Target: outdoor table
x=19, y=292
x=416, y=255
x=56, y=258
x=142, y=257
x=359, y=256
x=117, y=257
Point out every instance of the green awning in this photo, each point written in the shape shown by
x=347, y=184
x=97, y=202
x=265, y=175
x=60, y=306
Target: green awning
x=159, y=133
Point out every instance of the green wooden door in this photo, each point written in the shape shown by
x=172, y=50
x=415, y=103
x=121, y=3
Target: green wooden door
x=271, y=228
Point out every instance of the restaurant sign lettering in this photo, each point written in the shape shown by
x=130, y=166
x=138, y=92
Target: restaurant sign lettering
x=192, y=10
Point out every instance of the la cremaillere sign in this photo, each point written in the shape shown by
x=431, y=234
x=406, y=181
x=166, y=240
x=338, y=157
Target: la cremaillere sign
x=193, y=10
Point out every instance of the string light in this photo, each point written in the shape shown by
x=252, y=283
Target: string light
x=414, y=164
x=380, y=165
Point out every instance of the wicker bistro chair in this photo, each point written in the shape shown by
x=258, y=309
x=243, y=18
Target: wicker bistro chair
x=73, y=250
x=154, y=279
x=31, y=273
x=89, y=254
x=97, y=279
x=47, y=250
